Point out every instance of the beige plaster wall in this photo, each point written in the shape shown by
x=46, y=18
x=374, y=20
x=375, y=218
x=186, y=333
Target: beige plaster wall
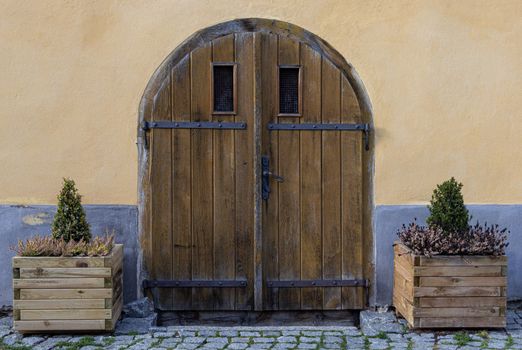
x=444, y=77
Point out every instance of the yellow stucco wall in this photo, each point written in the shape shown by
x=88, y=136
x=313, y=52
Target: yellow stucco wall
x=444, y=77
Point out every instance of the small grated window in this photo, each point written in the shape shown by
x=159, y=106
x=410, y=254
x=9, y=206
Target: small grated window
x=288, y=90
x=223, y=88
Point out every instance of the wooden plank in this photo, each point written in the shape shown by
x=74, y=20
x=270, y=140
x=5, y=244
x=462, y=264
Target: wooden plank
x=244, y=173
x=404, y=287
x=61, y=283
x=403, y=307
x=59, y=304
x=458, y=271
x=456, y=312
x=55, y=262
x=289, y=194
x=456, y=291
x=77, y=314
x=462, y=322
x=401, y=251
x=331, y=184
x=473, y=302
x=181, y=186
x=351, y=197
x=463, y=261
x=77, y=293
x=116, y=312
x=270, y=148
x=202, y=178
x=310, y=189
x=405, y=272
x=61, y=272
x=463, y=281
x=224, y=193
x=161, y=192
x=59, y=325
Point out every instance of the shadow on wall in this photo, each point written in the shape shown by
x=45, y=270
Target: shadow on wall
x=21, y=222
x=389, y=218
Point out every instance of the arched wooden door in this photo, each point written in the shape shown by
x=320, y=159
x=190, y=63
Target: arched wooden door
x=256, y=182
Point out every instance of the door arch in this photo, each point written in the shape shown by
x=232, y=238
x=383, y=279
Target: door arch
x=204, y=215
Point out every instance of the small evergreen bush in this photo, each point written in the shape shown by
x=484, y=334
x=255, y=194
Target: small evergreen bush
x=70, y=222
x=447, y=209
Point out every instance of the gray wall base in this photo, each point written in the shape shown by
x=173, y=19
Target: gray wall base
x=22, y=222
x=389, y=218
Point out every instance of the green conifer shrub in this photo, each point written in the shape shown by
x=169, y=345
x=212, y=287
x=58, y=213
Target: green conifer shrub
x=69, y=221
x=447, y=209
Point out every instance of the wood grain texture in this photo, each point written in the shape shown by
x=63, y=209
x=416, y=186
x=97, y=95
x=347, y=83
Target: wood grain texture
x=270, y=148
x=244, y=171
x=331, y=184
x=469, y=294
x=310, y=174
x=288, y=159
x=202, y=178
x=161, y=198
x=46, y=296
x=181, y=185
x=224, y=198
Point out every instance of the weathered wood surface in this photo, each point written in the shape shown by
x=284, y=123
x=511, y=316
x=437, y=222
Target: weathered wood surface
x=448, y=291
x=207, y=220
x=50, y=296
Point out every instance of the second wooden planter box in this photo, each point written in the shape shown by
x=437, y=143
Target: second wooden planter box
x=450, y=291
x=67, y=294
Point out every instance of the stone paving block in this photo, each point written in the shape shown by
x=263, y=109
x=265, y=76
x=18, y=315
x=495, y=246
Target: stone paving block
x=250, y=334
x=238, y=346
x=271, y=333
x=311, y=333
x=291, y=332
x=306, y=346
x=259, y=346
x=309, y=339
x=373, y=323
x=334, y=333
x=32, y=340
x=187, y=346
x=287, y=339
x=194, y=340
x=332, y=339
x=207, y=333
x=240, y=340
x=227, y=333
x=263, y=340
x=284, y=346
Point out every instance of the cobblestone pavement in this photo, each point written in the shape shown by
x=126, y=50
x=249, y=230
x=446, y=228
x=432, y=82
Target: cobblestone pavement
x=270, y=338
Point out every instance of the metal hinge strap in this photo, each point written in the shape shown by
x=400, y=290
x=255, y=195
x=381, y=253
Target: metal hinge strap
x=193, y=284
x=318, y=283
x=146, y=125
x=365, y=128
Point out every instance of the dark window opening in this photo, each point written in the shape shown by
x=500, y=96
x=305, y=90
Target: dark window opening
x=288, y=90
x=223, y=88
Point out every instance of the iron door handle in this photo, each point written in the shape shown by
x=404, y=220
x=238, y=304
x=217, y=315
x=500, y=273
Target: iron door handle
x=266, y=174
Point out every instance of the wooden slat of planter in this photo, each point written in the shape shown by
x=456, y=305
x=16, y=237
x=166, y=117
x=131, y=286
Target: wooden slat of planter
x=459, y=271
x=463, y=281
x=59, y=304
x=456, y=312
x=21, y=261
x=59, y=283
x=463, y=260
x=457, y=291
x=61, y=272
x=405, y=271
x=59, y=325
x=461, y=322
x=116, y=312
x=403, y=287
x=78, y=293
x=80, y=314
x=404, y=307
x=478, y=302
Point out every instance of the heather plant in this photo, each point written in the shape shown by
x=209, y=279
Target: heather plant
x=49, y=246
x=69, y=221
x=447, y=209
x=475, y=240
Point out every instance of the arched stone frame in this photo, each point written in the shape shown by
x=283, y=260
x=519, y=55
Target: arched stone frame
x=253, y=25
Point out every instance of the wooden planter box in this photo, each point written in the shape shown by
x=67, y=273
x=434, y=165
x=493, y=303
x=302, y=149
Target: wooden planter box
x=449, y=291
x=67, y=294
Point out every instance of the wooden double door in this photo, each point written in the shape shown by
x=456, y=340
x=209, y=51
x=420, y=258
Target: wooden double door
x=255, y=202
